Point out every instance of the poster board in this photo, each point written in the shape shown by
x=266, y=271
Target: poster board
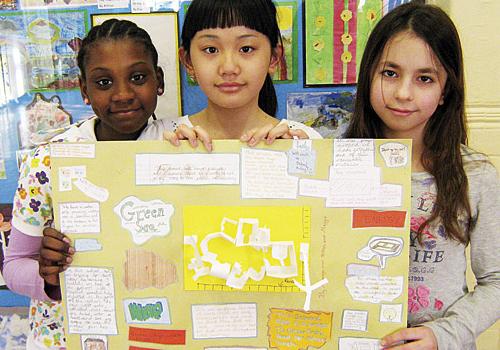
x=302, y=243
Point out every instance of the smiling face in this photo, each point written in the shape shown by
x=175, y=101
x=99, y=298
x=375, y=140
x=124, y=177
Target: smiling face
x=230, y=64
x=407, y=86
x=121, y=83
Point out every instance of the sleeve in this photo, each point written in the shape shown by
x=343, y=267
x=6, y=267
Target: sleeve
x=478, y=309
x=20, y=269
x=32, y=208
x=311, y=133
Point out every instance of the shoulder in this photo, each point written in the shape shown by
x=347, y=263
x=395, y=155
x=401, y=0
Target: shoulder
x=313, y=134
x=477, y=164
x=154, y=131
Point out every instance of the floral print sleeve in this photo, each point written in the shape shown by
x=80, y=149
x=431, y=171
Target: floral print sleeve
x=32, y=210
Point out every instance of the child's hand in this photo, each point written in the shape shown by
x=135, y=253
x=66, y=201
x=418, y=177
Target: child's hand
x=55, y=255
x=421, y=338
x=193, y=134
x=271, y=132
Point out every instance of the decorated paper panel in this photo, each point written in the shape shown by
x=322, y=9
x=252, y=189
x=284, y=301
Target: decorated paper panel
x=336, y=32
x=302, y=244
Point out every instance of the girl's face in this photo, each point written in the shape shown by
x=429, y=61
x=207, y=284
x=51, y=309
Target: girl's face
x=122, y=86
x=230, y=64
x=407, y=86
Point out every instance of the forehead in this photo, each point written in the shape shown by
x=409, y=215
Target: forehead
x=407, y=49
x=231, y=32
x=115, y=51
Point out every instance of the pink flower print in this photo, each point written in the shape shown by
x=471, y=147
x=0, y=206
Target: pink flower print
x=415, y=224
x=418, y=298
x=438, y=304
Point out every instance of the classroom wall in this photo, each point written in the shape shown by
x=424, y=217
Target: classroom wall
x=478, y=26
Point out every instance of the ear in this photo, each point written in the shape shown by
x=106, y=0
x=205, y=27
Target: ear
x=441, y=100
x=276, y=55
x=186, y=61
x=161, y=81
x=83, y=90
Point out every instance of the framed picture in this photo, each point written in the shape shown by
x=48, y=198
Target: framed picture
x=162, y=27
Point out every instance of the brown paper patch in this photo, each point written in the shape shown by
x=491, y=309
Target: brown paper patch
x=145, y=269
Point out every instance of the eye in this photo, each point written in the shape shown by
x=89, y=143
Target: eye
x=210, y=50
x=426, y=79
x=389, y=73
x=247, y=49
x=104, y=82
x=138, y=77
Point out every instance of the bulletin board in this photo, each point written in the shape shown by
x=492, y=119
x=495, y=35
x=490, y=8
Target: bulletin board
x=302, y=243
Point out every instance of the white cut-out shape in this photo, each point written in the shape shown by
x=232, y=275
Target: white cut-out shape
x=227, y=221
x=355, y=320
x=395, y=154
x=258, y=238
x=91, y=190
x=346, y=343
x=391, y=313
x=308, y=288
x=238, y=320
x=144, y=219
x=94, y=342
x=69, y=173
x=282, y=270
x=372, y=289
x=363, y=270
x=243, y=224
x=147, y=311
x=381, y=247
x=87, y=245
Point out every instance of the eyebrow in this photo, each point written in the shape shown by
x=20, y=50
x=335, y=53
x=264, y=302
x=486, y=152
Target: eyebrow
x=420, y=70
x=213, y=36
x=105, y=69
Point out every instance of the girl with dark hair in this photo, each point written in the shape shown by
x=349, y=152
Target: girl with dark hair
x=122, y=90
x=411, y=85
x=231, y=48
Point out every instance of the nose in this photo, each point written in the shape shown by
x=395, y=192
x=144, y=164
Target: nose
x=122, y=92
x=228, y=64
x=404, y=90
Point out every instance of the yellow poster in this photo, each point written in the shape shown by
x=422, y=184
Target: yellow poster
x=302, y=244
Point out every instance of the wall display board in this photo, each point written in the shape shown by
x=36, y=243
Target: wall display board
x=302, y=243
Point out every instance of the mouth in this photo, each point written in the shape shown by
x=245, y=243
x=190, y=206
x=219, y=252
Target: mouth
x=401, y=111
x=229, y=87
x=125, y=112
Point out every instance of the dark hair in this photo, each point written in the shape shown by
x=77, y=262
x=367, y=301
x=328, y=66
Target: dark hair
x=258, y=15
x=114, y=29
x=446, y=130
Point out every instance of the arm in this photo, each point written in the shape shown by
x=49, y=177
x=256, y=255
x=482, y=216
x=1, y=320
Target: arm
x=32, y=211
x=477, y=310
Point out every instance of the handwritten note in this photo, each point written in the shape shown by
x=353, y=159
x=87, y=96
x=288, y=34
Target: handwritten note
x=314, y=188
x=264, y=175
x=346, y=343
x=373, y=289
x=87, y=245
x=353, y=153
x=80, y=217
x=294, y=329
x=90, y=300
x=394, y=154
x=72, y=150
x=224, y=321
x=187, y=169
x=302, y=158
x=355, y=320
x=91, y=190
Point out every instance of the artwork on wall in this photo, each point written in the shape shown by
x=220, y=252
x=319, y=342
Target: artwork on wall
x=42, y=42
x=328, y=113
x=45, y=4
x=8, y=5
x=287, y=21
x=42, y=114
x=335, y=34
x=162, y=27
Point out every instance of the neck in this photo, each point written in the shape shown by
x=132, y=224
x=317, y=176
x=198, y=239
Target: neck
x=231, y=123
x=107, y=134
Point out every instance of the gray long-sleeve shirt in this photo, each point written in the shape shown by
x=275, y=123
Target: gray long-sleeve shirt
x=438, y=294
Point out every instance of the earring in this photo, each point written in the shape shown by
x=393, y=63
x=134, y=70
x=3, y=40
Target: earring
x=192, y=77
x=160, y=91
x=86, y=101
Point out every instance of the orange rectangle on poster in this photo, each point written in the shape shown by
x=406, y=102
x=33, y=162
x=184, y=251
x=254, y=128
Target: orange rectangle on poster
x=362, y=218
x=158, y=336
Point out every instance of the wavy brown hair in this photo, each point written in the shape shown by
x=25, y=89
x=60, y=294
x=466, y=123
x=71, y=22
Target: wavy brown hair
x=446, y=130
